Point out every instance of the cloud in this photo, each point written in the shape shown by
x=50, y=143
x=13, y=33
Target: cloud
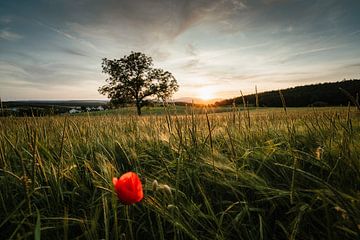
x=72, y=51
x=273, y=1
x=226, y=43
x=355, y=33
x=46, y=75
x=293, y=56
x=160, y=54
x=143, y=22
x=9, y=69
x=354, y=65
x=191, y=64
x=191, y=50
x=6, y=19
x=188, y=13
x=67, y=35
x=194, y=12
x=7, y=35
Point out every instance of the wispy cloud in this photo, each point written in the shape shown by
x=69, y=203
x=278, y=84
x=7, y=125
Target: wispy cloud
x=292, y=56
x=6, y=19
x=355, y=33
x=354, y=65
x=191, y=49
x=72, y=51
x=9, y=69
x=6, y=34
x=45, y=75
x=230, y=44
x=68, y=35
x=191, y=13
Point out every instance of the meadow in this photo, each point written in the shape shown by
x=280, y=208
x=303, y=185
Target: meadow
x=242, y=174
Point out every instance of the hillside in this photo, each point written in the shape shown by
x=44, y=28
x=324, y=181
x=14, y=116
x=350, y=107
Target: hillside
x=47, y=107
x=323, y=94
x=52, y=103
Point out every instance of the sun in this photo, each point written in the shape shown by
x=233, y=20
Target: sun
x=206, y=93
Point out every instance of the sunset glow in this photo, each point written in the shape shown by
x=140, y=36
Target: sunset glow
x=206, y=93
x=53, y=49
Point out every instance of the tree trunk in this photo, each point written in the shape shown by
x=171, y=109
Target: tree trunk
x=138, y=108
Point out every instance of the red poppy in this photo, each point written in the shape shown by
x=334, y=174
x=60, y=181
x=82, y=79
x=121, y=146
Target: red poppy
x=128, y=188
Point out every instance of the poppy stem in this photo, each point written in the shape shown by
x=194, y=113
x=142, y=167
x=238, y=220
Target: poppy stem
x=127, y=215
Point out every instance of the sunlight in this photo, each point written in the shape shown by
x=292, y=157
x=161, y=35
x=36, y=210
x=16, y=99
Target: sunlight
x=205, y=93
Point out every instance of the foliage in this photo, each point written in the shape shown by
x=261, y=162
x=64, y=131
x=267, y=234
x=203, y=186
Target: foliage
x=51, y=107
x=236, y=175
x=132, y=79
x=323, y=94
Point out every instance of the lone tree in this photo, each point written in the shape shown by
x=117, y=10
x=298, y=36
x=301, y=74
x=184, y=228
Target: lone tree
x=132, y=79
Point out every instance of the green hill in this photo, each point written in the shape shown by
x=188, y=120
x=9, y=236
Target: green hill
x=323, y=94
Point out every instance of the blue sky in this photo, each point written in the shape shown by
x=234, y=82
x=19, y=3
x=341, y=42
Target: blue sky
x=52, y=49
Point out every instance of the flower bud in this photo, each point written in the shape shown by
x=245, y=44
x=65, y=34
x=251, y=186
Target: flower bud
x=318, y=153
x=171, y=206
x=167, y=189
x=155, y=185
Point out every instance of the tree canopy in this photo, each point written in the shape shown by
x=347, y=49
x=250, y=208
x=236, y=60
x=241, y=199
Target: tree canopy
x=133, y=78
x=321, y=94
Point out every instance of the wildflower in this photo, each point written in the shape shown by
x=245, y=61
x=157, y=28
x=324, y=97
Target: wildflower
x=128, y=188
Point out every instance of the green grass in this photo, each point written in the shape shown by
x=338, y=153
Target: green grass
x=158, y=110
x=262, y=174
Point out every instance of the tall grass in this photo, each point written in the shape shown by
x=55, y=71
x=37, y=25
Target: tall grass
x=239, y=175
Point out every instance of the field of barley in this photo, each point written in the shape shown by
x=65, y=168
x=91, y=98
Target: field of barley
x=256, y=174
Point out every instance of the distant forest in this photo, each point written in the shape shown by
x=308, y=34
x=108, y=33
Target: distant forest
x=47, y=107
x=323, y=94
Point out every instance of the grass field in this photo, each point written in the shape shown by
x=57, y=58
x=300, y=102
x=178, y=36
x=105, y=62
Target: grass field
x=259, y=174
x=158, y=110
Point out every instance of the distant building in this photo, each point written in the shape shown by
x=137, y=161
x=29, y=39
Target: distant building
x=100, y=108
x=73, y=110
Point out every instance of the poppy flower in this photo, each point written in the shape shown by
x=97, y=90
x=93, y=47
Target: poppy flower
x=128, y=188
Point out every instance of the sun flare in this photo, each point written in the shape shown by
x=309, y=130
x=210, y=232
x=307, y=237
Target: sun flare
x=206, y=93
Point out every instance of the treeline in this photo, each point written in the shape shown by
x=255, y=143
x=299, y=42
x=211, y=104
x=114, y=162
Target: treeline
x=323, y=94
x=32, y=111
x=45, y=108
x=54, y=103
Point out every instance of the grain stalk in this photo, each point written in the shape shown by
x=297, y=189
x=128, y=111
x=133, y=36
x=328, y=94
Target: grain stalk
x=246, y=109
x=256, y=97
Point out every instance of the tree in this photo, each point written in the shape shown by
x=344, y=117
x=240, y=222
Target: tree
x=132, y=79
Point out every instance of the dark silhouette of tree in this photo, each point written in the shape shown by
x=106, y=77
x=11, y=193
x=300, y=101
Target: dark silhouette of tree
x=132, y=79
x=322, y=94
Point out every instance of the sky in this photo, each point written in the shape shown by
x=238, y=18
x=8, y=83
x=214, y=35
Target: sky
x=53, y=49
